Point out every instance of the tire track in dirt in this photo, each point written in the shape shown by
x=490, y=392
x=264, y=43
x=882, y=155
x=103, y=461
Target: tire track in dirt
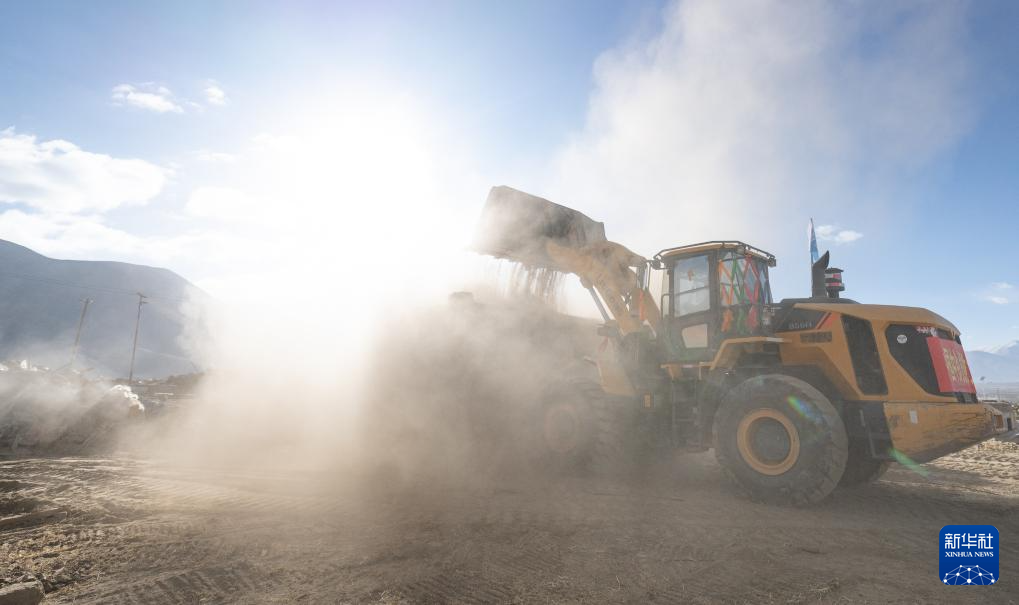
x=533, y=561
x=214, y=536
x=455, y=587
x=154, y=545
x=212, y=584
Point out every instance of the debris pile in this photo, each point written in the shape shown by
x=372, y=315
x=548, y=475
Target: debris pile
x=61, y=412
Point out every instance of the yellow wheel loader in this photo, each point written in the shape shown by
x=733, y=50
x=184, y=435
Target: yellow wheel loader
x=796, y=397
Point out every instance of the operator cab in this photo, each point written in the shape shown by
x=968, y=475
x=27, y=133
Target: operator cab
x=712, y=292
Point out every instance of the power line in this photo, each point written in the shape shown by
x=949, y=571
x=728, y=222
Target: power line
x=143, y=299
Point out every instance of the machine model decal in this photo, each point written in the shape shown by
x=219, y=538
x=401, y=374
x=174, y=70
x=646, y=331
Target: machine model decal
x=802, y=319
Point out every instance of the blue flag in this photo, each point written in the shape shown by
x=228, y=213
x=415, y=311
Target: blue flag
x=813, y=245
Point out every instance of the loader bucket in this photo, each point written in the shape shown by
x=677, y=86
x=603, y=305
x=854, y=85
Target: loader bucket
x=517, y=226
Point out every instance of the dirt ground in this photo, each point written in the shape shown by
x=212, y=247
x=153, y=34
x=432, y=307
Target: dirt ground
x=121, y=530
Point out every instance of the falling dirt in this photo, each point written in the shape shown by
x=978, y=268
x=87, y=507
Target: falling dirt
x=540, y=283
x=128, y=531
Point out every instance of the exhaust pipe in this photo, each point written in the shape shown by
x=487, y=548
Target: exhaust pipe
x=825, y=282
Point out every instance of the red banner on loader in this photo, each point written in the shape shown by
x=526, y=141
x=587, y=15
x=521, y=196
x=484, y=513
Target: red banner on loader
x=950, y=366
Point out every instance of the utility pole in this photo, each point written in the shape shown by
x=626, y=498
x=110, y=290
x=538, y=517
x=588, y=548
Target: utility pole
x=134, y=348
x=85, y=302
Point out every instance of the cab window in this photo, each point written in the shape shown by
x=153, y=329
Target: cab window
x=690, y=285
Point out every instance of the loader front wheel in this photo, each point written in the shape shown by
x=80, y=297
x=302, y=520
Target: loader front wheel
x=583, y=429
x=780, y=440
x=566, y=426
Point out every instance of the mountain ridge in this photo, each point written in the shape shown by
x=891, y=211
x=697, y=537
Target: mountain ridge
x=995, y=364
x=1009, y=349
x=41, y=302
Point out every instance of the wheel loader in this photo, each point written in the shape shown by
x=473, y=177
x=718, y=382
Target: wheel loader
x=796, y=397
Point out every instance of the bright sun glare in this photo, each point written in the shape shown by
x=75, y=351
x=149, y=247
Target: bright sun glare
x=348, y=210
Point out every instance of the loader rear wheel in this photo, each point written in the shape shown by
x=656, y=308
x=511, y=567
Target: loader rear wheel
x=861, y=468
x=780, y=440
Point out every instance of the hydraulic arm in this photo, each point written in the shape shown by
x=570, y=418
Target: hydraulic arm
x=539, y=233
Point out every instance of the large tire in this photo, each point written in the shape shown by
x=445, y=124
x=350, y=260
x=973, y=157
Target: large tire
x=861, y=468
x=564, y=426
x=612, y=448
x=780, y=440
x=581, y=428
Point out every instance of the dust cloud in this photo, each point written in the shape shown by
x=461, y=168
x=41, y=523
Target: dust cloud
x=445, y=390
x=333, y=344
x=741, y=120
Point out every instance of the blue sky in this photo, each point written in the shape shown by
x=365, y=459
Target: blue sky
x=671, y=122
x=521, y=75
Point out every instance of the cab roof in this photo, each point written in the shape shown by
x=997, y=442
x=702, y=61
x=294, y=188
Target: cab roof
x=740, y=247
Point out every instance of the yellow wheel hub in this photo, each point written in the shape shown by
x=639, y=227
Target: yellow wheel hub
x=768, y=441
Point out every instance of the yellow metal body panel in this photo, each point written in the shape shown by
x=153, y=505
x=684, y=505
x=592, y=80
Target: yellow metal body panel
x=831, y=356
x=924, y=431
x=732, y=349
x=885, y=313
x=727, y=356
x=922, y=425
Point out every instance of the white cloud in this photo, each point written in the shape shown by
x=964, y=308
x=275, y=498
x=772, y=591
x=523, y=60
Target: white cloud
x=215, y=95
x=268, y=142
x=66, y=235
x=742, y=119
x=214, y=157
x=146, y=96
x=86, y=237
x=830, y=233
x=58, y=176
x=221, y=203
x=996, y=293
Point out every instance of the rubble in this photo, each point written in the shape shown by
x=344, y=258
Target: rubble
x=61, y=412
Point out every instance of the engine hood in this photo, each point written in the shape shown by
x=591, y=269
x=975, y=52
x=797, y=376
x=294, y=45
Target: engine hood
x=885, y=313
